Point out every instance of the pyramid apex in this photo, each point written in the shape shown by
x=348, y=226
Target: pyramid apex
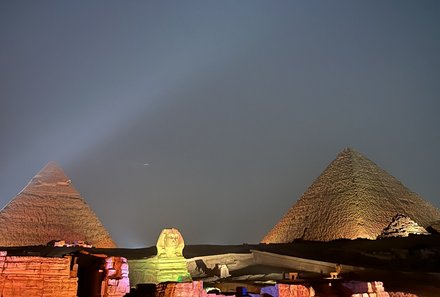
x=51, y=178
x=349, y=150
x=351, y=153
x=51, y=166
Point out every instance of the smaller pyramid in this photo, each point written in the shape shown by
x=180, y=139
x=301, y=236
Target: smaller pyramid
x=402, y=226
x=434, y=227
x=50, y=208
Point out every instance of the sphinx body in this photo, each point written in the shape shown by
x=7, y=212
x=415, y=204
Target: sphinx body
x=168, y=265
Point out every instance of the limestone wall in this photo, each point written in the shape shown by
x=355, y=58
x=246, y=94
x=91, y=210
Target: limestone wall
x=191, y=289
x=116, y=282
x=285, y=290
x=365, y=289
x=195, y=289
x=25, y=276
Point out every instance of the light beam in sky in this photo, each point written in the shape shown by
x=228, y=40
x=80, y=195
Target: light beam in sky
x=201, y=91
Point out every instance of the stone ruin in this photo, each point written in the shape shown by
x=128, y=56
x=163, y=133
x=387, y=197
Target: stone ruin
x=116, y=282
x=286, y=290
x=196, y=289
x=364, y=289
x=69, y=276
x=25, y=276
x=402, y=226
x=101, y=275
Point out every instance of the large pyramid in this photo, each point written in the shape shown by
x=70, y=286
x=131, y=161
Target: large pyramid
x=352, y=198
x=50, y=208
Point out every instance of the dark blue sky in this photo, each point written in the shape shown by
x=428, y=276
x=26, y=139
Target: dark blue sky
x=237, y=106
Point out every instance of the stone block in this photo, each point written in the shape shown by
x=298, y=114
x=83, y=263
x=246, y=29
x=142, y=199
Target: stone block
x=271, y=290
x=24, y=277
x=401, y=294
x=375, y=289
x=285, y=290
x=116, y=282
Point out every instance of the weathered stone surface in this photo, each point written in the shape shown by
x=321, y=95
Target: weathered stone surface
x=271, y=290
x=224, y=271
x=381, y=294
x=116, y=282
x=365, y=289
x=209, y=265
x=190, y=289
x=434, y=227
x=36, y=276
x=180, y=289
x=50, y=208
x=352, y=198
x=402, y=294
x=285, y=290
x=402, y=226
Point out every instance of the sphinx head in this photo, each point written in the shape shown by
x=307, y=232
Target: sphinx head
x=170, y=243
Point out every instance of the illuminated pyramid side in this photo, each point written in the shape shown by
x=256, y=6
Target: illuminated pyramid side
x=50, y=208
x=352, y=198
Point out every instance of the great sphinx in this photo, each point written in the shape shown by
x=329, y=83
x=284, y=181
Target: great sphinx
x=168, y=265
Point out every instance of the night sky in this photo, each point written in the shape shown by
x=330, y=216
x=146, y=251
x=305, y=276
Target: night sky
x=214, y=116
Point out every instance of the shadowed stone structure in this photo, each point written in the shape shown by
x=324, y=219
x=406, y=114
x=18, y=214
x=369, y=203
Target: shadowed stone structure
x=435, y=227
x=352, y=198
x=50, y=208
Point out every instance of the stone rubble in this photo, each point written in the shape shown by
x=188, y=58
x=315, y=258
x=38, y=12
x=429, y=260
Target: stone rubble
x=195, y=289
x=285, y=290
x=365, y=289
x=401, y=294
x=191, y=289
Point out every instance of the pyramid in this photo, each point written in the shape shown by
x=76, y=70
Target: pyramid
x=434, y=227
x=50, y=208
x=402, y=226
x=352, y=198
